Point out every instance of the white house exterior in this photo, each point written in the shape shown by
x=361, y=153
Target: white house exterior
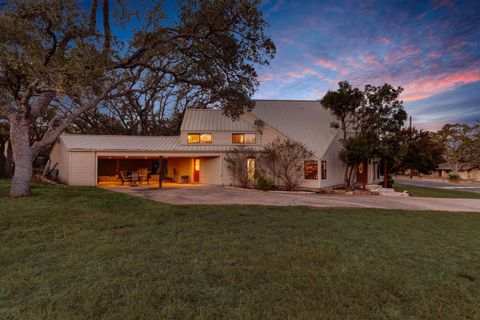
x=197, y=154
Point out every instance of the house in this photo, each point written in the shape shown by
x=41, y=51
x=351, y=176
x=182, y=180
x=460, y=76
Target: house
x=197, y=154
x=466, y=171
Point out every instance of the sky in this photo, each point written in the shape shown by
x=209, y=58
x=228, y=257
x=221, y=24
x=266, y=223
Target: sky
x=430, y=48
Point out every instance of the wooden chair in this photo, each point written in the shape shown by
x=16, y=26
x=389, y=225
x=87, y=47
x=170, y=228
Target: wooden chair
x=143, y=175
x=125, y=177
x=135, y=179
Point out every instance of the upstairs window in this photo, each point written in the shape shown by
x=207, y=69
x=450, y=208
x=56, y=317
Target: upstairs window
x=311, y=170
x=199, y=138
x=324, y=170
x=244, y=138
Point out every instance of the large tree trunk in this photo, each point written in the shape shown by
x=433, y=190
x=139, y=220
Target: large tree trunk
x=9, y=164
x=22, y=155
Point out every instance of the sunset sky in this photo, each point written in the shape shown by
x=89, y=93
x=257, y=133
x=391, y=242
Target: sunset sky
x=431, y=48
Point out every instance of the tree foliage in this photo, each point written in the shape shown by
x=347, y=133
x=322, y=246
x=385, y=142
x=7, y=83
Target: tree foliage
x=58, y=61
x=236, y=164
x=461, y=143
x=455, y=139
x=368, y=120
x=420, y=151
x=285, y=160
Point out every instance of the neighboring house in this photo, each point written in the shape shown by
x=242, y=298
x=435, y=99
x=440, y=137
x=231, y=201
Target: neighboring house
x=197, y=155
x=466, y=171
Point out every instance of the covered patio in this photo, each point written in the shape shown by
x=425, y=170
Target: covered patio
x=148, y=171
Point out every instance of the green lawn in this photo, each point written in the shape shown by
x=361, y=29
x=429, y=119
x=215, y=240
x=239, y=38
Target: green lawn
x=435, y=192
x=82, y=253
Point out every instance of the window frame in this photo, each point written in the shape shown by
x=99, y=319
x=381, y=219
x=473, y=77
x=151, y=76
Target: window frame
x=251, y=169
x=244, y=137
x=199, y=134
x=323, y=169
x=308, y=177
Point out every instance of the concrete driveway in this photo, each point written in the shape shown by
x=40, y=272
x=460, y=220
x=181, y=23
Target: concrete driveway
x=226, y=196
x=439, y=184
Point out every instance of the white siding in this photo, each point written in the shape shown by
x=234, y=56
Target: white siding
x=210, y=170
x=335, y=168
x=182, y=166
x=60, y=157
x=227, y=177
x=83, y=168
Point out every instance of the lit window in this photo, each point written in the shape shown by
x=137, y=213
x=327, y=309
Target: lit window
x=311, y=170
x=244, y=138
x=206, y=138
x=251, y=170
x=324, y=170
x=250, y=138
x=238, y=138
x=199, y=138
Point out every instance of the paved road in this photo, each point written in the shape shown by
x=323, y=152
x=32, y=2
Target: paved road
x=439, y=184
x=228, y=196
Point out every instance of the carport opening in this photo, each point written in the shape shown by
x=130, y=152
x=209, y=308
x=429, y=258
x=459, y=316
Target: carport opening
x=144, y=171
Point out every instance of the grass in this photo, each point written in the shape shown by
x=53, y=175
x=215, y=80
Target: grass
x=435, y=192
x=83, y=253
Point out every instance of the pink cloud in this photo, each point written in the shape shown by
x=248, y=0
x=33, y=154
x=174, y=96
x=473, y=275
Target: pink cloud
x=329, y=64
x=266, y=77
x=305, y=72
x=424, y=88
x=370, y=59
x=434, y=54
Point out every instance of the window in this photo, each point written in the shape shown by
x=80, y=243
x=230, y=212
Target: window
x=324, y=170
x=251, y=170
x=250, y=138
x=199, y=138
x=311, y=170
x=244, y=138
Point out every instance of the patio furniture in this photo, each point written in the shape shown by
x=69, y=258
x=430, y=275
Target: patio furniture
x=135, y=179
x=143, y=175
x=125, y=177
x=185, y=179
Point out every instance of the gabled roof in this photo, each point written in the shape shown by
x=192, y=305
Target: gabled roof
x=119, y=142
x=300, y=120
x=303, y=121
x=212, y=120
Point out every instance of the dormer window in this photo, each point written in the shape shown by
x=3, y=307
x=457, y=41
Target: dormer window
x=193, y=138
x=244, y=138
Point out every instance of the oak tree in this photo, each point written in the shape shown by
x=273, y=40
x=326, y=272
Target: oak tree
x=58, y=61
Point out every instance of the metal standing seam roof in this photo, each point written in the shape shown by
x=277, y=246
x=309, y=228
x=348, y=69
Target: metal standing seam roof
x=212, y=120
x=300, y=120
x=91, y=142
x=304, y=121
x=119, y=142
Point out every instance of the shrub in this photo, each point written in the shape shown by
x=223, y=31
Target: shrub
x=263, y=183
x=286, y=161
x=453, y=176
x=236, y=164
